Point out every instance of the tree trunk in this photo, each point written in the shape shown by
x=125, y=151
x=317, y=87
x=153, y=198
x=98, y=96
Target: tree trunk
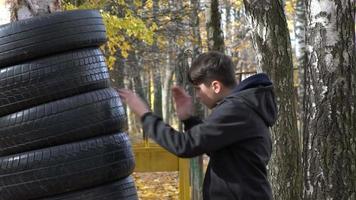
x=117, y=74
x=197, y=48
x=227, y=28
x=299, y=30
x=272, y=44
x=329, y=101
x=194, y=19
x=215, y=34
x=167, y=80
x=23, y=9
x=157, y=83
x=196, y=164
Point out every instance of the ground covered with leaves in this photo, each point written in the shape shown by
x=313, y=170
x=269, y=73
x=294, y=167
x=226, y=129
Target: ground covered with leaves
x=157, y=185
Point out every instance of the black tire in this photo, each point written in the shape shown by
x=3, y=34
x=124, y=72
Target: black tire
x=59, y=76
x=67, y=120
x=65, y=168
x=123, y=189
x=48, y=34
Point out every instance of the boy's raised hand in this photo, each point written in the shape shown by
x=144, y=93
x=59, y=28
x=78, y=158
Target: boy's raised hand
x=134, y=102
x=183, y=103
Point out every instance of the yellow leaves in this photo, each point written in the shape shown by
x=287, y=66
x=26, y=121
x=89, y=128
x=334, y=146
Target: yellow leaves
x=181, y=40
x=154, y=27
x=68, y=6
x=121, y=2
x=148, y=5
x=125, y=47
x=158, y=185
x=236, y=3
x=243, y=45
x=290, y=7
x=110, y=61
x=138, y=3
x=120, y=30
x=290, y=10
x=161, y=42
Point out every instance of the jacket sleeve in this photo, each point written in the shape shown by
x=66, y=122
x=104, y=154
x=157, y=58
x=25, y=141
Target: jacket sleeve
x=226, y=125
x=191, y=122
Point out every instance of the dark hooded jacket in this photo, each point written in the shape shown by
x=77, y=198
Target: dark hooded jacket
x=236, y=136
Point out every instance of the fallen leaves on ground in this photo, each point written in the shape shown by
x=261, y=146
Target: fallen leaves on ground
x=157, y=185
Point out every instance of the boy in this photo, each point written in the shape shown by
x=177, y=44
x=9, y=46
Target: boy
x=236, y=135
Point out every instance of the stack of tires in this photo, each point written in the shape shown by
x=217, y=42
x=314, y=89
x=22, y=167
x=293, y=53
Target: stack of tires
x=61, y=125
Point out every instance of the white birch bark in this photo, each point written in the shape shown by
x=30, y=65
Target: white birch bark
x=329, y=101
x=23, y=9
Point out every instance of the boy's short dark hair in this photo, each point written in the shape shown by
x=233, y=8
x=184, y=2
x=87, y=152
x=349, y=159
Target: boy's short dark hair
x=211, y=66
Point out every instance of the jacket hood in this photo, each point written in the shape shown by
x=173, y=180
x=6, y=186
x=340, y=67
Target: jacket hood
x=257, y=92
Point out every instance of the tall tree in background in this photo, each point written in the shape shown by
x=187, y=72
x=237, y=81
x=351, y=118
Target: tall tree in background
x=272, y=45
x=174, y=6
x=215, y=35
x=227, y=29
x=329, y=101
x=196, y=164
x=156, y=72
x=194, y=24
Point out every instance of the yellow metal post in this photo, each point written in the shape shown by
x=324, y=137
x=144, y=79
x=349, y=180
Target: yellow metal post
x=184, y=183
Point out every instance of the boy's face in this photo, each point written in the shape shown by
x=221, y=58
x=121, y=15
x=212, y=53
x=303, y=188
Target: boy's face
x=206, y=95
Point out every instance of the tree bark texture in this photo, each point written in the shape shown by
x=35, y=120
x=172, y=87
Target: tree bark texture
x=157, y=83
x=23, y=9
x=329, y=118
x=227, y=5
x=167, y=82
x=194, y=19
x=214, y=31
x=272, y=45
x=196, y=164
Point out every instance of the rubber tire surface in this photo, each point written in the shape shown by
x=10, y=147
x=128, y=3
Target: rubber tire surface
x=66, y=120
x=65, y=168
x=55, y=77
x=48, y=34
x=123, y=189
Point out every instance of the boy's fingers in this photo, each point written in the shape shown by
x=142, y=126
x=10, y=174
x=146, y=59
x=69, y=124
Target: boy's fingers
x=179, y=91
x=175, y=92
x=123, y=91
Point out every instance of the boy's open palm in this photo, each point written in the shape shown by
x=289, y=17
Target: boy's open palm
x=134, y=102
x=183, y=103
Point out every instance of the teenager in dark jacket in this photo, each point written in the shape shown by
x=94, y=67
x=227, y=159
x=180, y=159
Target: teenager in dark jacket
x=236, y=135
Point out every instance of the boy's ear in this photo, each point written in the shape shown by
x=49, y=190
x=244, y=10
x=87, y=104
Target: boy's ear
x=216, y=85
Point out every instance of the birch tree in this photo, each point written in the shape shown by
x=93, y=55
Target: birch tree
x=23, y=9
x=329, y=101
x=196, y=164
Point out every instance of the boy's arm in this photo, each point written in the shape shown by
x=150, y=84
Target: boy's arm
x=191, y=122
x=221, y=129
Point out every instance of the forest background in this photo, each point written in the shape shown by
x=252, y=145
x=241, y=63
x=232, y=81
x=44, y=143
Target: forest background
x=307, y=47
